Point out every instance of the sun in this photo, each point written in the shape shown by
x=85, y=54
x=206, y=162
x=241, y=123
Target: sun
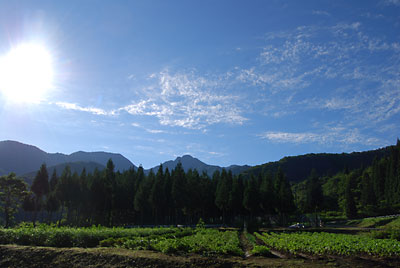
x=26, y=73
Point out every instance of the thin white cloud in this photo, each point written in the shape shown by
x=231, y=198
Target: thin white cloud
x=391, y=2
x=321, y=12
x=326, y=68
x=187, y=100
x=286, y=137
x=155, y=131
x=76, y=107
x=333, y=135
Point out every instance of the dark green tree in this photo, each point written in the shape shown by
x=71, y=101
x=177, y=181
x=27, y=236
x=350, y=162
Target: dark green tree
x=284, y=196
x=110, y=184
x=141, y=202
x=40, y=187
x=12, y=193
x=178, y=191
x=157, y=197
x=53, y=181
x=222, y=193
x=350, y=204
x=251, y=200
x=314, y=196
x=52, y=204
x=368, y=197
x=267, y=194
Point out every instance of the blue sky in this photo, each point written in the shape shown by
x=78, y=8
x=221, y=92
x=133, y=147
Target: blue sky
x=229, y=82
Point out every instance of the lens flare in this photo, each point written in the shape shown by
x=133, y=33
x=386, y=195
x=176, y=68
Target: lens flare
x=26, y=73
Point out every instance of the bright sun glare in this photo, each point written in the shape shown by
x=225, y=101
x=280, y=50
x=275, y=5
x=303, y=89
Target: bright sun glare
x=26, y=73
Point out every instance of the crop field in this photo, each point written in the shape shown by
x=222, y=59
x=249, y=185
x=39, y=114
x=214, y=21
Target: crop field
x=166, y=240
x=213, y=247
x=331, y=244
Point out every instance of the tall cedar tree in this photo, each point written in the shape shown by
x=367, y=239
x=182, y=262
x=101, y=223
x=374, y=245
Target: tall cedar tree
x=222, y=194
x=110, y=194
x=314, y=196
x=251, y=199
x=350, y=204
x=178, y=191
x=267, y=194
x=157, y=197
x=284, y=195
x=40, y=187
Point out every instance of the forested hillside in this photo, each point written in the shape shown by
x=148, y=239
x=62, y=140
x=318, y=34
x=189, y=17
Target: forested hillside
x=366, y=191
x=111, y=197
x=298, y=168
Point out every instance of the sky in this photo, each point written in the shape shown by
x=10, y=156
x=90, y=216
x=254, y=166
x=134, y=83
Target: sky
x=228, y=82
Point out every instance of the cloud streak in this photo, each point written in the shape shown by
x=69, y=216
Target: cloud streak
x=184, y=100
x=187, y=100
x=76, y=107
x=338, y=67
x=336, y=135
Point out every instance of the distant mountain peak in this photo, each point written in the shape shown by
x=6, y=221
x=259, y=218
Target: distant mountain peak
x=190, y=162
x=23, y=158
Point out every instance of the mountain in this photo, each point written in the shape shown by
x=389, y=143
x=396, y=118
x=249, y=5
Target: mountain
x=298, y=168
x=23, y=158
x=75, y=167
x=189, y=162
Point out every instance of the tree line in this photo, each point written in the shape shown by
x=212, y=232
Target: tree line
x=166, y=197
x=367, y=191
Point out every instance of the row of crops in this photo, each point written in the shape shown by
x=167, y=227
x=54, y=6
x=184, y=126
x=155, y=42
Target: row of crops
x=330, y=244
x=167, y=240
x=200, y=240
x=206, y=242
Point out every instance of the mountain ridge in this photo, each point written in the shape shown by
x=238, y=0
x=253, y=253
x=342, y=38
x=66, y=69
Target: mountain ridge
x=296, y=168
x=74, y=166
x=190, y=162
x=23, y=158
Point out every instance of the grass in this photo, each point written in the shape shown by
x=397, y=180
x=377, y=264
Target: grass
x=166, y=240
x=50, y=235
x=328, y=243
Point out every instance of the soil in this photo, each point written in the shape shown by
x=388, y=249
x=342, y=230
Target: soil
x=28, y=256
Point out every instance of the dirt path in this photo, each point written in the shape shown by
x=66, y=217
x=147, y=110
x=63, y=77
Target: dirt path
x=28, y=256
x=245, y=244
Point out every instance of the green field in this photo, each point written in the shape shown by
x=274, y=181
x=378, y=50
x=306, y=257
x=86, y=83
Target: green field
x=230, y=245
x=322, y=244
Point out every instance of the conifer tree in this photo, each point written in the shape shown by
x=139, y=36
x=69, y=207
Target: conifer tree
x=40, y=187
x=350, y=205
x=222, y=194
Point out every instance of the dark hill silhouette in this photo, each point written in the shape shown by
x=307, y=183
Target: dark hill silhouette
x=298, y=168
x=189, y=162
x=75, y=167
x=23, y=158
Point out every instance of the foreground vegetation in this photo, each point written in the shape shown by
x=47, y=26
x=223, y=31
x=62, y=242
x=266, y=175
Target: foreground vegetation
x=199, y=241
x=113, y=198
x=331, y=244
x=166, y=240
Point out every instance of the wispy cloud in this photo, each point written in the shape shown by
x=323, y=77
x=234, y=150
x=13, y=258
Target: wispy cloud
x=321, y=12
x=337, y=135
x=76, y=107
x=338, y=67
x=187, y=100
x=391, y=2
